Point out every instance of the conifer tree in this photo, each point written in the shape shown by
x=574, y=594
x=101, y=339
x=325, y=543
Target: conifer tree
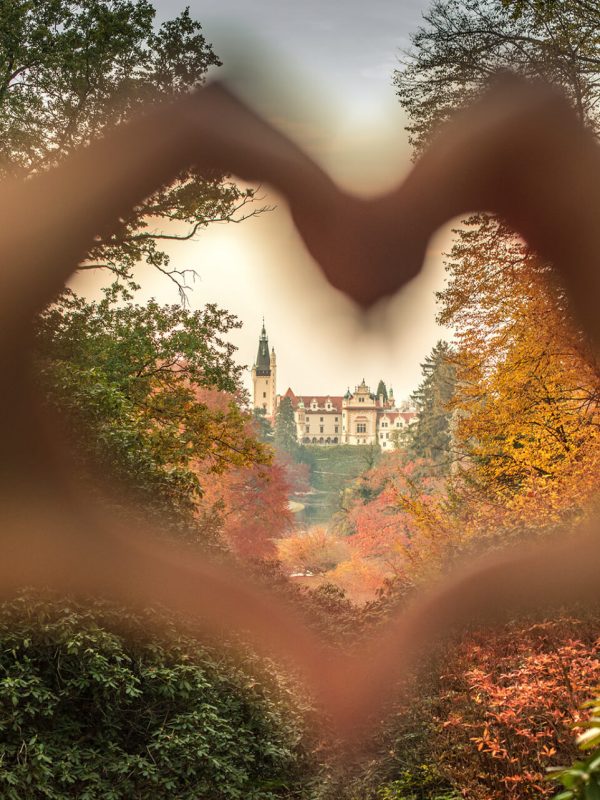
x=430, y=437
x=264, y=429
x=285, y=427
x=382, y=390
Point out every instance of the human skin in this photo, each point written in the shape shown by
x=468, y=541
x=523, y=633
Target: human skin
x=519, y=152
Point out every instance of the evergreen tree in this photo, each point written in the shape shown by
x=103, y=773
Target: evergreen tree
x=285, y=428
x=429, y=437
x=264, y=429
x=382, y=390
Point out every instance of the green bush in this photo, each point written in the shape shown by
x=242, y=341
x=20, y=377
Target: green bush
x=422, y=783
x=581, y=780
x=93, y=705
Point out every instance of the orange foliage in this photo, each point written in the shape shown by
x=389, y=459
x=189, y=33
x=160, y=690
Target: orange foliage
x=314, y=550
x=508, y=701
x=526, y=413
x=360, y=578
x=390, y=515
x=245, y=505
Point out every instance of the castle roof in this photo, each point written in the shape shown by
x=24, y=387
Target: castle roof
x=336, y=402
x=406, y=415
x=263, y=359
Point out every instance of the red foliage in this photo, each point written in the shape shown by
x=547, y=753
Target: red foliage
x=249, y=506
x=246, y=503
x=509, y=701
x=388, y=517
x=297, y=475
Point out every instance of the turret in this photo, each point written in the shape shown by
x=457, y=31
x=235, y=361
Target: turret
x=264, y=375
x=263, y=360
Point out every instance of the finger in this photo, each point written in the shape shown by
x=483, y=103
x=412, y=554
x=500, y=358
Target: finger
x=51, y=220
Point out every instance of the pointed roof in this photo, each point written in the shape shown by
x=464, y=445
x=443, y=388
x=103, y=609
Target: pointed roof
x=263, y=359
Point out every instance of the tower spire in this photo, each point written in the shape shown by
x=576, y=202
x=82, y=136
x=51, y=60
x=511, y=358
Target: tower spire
x=263, y=359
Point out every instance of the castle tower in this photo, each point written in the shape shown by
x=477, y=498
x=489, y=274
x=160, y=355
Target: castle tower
x=264, y=375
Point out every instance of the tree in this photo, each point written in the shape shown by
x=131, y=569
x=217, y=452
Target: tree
x=430, y=436
x=382, y=391
x=263, y=426
x=315, y=550
x=527, y=424
x=151, y=391
x=248, y=507
x=463, y=43
x=285, y=437
x=71, y=71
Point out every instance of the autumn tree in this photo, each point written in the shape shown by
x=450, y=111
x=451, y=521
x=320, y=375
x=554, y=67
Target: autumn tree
x=430, y=436
x=247, y=509
x=138, y=384
x=70, y=72
x=315, y=550
x=524, y=411
x=527, y=423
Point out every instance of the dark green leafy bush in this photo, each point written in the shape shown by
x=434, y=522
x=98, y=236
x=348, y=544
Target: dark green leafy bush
x=93, y=705
x=581, y=781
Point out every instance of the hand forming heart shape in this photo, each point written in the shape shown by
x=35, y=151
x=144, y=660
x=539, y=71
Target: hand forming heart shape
x=519, y=152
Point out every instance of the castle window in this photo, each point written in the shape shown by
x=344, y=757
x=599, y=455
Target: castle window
x=321, y=429
x=361, y=399
x=336, y=429
x=264, y=394
x=336, y=419
x=361, y=427
x=321, y=420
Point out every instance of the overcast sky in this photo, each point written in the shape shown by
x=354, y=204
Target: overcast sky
x=328, y=65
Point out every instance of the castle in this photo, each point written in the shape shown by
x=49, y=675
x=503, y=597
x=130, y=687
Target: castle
x=357, y=418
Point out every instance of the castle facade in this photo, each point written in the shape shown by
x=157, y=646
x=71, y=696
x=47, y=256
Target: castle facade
x=356, y=418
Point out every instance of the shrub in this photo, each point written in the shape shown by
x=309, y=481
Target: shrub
x=508, y=702
x=93, y=705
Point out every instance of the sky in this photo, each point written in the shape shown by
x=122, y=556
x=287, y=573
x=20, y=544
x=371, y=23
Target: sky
x=327, y=69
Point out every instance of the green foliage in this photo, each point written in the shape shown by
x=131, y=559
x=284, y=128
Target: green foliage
x=382, y=390
x=430, y=436
x=139, y=385
x=332, y=470
x=263, y=426
x=582, y=780
x=424, y=783
x=285, y=427
x=93, y=704
x=69, y=72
